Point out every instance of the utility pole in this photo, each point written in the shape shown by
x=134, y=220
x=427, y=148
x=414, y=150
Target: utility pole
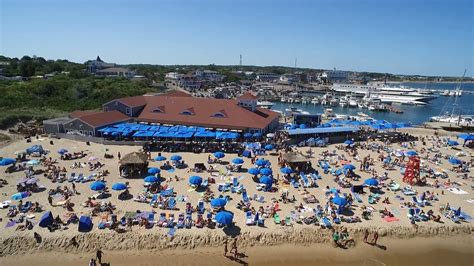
x=240, y=64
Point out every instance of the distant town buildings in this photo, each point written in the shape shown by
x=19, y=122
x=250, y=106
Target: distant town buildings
x=335, y=76
x=102, y=69
x=267, y=77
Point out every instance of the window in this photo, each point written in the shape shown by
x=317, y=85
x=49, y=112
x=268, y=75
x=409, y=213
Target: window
x=127, y=111
x=220, y=114
x=189, y=111
x=160, y=109
x=106, y=109
x=91, y=133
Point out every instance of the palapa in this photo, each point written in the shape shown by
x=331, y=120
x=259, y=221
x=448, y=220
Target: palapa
x=134, y=158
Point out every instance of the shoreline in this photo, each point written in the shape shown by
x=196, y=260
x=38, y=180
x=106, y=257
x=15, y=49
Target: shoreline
x=415, y=251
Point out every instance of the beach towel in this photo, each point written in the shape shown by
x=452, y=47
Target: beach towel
x=395, y=211
x=470, y=200
x=171, y=170
x=10, y=224
x=391, y=219
x=171, y=232
x=457, y=191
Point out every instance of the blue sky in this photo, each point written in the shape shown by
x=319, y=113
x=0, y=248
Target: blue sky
x=397, y=36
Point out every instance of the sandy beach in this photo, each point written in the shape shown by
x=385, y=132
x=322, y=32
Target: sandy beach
x=141, y=246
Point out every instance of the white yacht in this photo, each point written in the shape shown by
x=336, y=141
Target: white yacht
x=265, y=104
x=343, y=102
x=315, y=100
x=384, y=93
x=352, y=102
x=334, y=102
x=445, y=93
x=284, y=99
x=293, y=110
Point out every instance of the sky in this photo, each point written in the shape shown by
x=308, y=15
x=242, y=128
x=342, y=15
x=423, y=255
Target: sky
x=426, y=37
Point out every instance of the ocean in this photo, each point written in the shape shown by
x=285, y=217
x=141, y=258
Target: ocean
x=414, y=114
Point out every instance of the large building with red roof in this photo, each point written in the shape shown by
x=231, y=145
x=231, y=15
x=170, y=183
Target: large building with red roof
x=174, y=108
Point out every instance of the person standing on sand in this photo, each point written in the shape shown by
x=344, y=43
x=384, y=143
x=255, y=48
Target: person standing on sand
x=92, y=262
x=225, y=248
x=50, y=200
x=99, y=254
x=74, y=188
x=119, y=155
x=376, y=237
x=234, y=248
x=366, y=235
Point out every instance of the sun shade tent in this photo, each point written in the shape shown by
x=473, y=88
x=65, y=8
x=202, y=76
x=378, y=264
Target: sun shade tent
x=35, y=148
x=218, y=202
x=85, y=224
x=7, y=161
x=225, y=217
x=195, y=180
x=46, y=220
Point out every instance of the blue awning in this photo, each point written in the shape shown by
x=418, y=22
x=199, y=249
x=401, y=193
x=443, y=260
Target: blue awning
x=322, y=130
x=205, y=134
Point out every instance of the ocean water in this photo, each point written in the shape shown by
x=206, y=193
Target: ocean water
x=414, y=114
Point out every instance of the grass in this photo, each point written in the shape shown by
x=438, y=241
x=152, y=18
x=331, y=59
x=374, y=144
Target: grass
x=9, y=117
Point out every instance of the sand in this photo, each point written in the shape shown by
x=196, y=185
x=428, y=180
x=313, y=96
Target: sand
x=17, y=243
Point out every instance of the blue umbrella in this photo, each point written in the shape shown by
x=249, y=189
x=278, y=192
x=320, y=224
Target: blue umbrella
x=248, y=135
x=348, y=142
x=153, y=170
x=160, y=158
x=303, y=126
x=411, y=153
x=218, y=202
x=224, y=217
x=454, y=161
x=97, y=185
x=339, y=201
x=151, y=179
x=176, y=157
x=257, y=135
x=286, y=170
x=261, y=162
x=119, y=186
x=253, y=171
x=349, y=167
x=266, y=171
x=195, y=180
x=238, y=160
x=371, y=182
x=20, y=195
x=266, y=180
x=62, y=151
x=7, y=161
x=453, y=143
x=219, y=154
x=268, y=147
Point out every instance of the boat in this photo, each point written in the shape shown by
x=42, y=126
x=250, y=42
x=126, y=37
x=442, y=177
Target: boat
x=343, y=102
x=361, y=105
x=385, y=94
x=315, y=100
x=328, y=113
x=284, y=99
x=445, y=93
x=293, y=110
x=265, y=104
x=352, y=102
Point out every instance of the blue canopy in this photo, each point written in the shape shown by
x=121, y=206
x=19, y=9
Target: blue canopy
x=85, y=224
x=453, y=143
x=266, y=180
x=454, y=161
x=153, y=170
x=371, y=182
x=349, y=167
x=195, y=180
x=466, y=137
x=176, y=157
x=151, y=179
x=160, y=158
x=205, y=134
x=97, y=185
x=257, y=135
x=46, y=220
x=339, y=201
x=286, y=170
x=62, y=151
x=266, y=171
x=261, y=162
x=411, y=153
x=219, y=154
x=253, y=171
x=224, y=217
x=348, y=142
x=119, y=186
x=35, y=148
x=248, y=135
x=268, y=147
x=238, y=160
x=20, y=195
x=7, y=161
x=218, y=202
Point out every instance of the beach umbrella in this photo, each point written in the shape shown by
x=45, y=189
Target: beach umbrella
x=453, y=143
x=248, y=135
x=92, y=159
x=219, y=154
x=261, y=162
x=371, y=182
x=62, y=151
x=153, y=170
x=270, y=135
x=7, y=161
x=20, y=195
x=160, y=158
x=238, y=160
x=266, y=171
x=266, y=180
x=348, y=142
x=176, y=157
x=151, y=179
x=97, y=186
x=218, y=202
x=119, y=186
x=286, y=170
x=253, y=171
x=339, y=201
x=411, y=153
x=349, y=167
x=257, y=135
x=195, y=180
x=268, y=147
x=224, y=217
x=32, y=181
x=454, y=161
x=33, y=162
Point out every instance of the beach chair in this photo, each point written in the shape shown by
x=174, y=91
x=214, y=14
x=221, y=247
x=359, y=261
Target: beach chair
x=154, y=199
x=261, y=199
x=288, y=221
x=205, y=183
x=87, y=179
x=276, y=218
x=249, y=218
x=305, y=180
x=295, y=184
x=171, y=232
x=394, y=187
x=336, y=220
x=357, y=197
x=72, y=177
x=245, y=197
x=235, y=182
x=170, y=222
x=325, y=223
x=418, y=202
x=261, y=221
x=200, y=208
x=169, y=192
x=161, y=220
x=188, y=221
x=199, y=222
x=79, y=178
x=172, y=203
x=151, y=218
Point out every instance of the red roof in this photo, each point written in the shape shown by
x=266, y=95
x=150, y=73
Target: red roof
x=133, y=101
x=205, y=112
x=176, y=93
x=77, y=114
x=103, y=118
x=247, y=96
